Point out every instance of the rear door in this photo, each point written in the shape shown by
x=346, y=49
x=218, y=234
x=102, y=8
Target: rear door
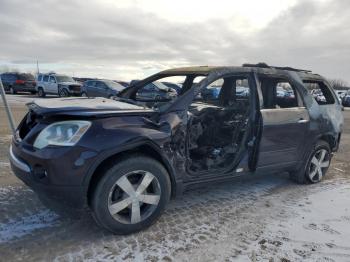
x=284, y=123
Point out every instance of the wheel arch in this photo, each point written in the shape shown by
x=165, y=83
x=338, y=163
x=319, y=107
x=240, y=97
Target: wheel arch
x=331, y=140
x=146, y=149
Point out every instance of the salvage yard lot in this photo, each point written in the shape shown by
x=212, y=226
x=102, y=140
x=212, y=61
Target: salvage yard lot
x=247, y=219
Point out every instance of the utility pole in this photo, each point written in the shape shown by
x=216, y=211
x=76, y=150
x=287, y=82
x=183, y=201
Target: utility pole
x=7, y=108
x=37, y=66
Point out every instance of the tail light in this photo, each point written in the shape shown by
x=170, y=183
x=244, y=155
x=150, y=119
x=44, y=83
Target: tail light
x=20, y=82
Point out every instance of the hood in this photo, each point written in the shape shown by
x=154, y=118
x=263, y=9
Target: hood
x=84, y=106
x=69, y=83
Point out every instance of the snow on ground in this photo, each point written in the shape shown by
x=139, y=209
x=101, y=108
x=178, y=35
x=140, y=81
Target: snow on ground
x=24, y=220
x=314, y=228
x=26, y=225
x=320, y=231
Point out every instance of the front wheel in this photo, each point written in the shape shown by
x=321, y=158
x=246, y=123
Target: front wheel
x=63, y=92
x=316, y=165
x=131, y=195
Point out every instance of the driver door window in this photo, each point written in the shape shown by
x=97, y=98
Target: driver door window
x=218, y=118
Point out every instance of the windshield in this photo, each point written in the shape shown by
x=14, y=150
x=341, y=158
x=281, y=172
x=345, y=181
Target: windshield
x=157, y=94
x=64, y=79
x=114, y=85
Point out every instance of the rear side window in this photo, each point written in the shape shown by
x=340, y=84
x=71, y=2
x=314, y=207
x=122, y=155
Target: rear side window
x=40, y=77
x=278, y=93
x=4, y=77
x=46, y=78
x=99, y=84
x=320, y=92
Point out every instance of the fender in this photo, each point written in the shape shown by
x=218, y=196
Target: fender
x=176, y=184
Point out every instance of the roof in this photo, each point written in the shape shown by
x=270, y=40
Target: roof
x=261, y=67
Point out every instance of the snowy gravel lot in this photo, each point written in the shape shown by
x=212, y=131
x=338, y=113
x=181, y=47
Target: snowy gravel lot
x=257, y=218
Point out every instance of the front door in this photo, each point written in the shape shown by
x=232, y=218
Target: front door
x=285, y=123
x=52, y=85
x=219, y=120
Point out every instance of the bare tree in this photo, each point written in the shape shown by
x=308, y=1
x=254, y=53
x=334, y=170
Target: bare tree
x=339, y=84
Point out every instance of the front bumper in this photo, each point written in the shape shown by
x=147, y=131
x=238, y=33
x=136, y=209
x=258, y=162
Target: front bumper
x=33, y=171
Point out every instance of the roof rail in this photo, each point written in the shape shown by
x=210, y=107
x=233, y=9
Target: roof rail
x=264, y=65
x=260, y=65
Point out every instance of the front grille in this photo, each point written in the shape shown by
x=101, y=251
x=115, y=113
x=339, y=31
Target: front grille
x=74, y=88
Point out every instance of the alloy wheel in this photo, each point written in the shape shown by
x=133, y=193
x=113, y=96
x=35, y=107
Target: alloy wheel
x=63, y=93
x=134, y=197
x=318, y=166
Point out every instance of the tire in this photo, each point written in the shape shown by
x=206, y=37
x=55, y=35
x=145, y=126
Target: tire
x=135, y=170
x=316, y=166
x=83, y=94
x=41, y=92
x=12, y=91
x=63, y=92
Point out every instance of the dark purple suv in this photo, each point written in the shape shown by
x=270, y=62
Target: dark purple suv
x=125, y=158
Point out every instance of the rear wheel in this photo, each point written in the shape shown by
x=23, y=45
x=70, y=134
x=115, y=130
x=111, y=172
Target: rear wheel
x=12, y=91
x=41, y=92
x=316, y=165
x=131, y=195
x=83, y=94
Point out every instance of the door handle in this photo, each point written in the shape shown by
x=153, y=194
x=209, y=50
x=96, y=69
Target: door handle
x=301, y=121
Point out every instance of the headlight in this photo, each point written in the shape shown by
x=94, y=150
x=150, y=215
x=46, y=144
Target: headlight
x=66, y=133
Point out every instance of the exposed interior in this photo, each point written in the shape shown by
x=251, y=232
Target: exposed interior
x=218, y=119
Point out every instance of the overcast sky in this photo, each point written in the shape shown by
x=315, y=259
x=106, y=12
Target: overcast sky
x=123, y=39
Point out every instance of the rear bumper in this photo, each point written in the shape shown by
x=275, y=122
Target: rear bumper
x=60, y=195
x=23, y=88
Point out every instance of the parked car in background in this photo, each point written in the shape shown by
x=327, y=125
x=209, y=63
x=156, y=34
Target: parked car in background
x=56, y=84
x=155, y=91
x=18, y=82
x=210, y=92
x=101, y=88
x=174, y=86
x=81, y=80
x=346, y=99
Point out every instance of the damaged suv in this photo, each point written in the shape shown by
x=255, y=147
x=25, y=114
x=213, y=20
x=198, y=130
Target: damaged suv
x=125, y=158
